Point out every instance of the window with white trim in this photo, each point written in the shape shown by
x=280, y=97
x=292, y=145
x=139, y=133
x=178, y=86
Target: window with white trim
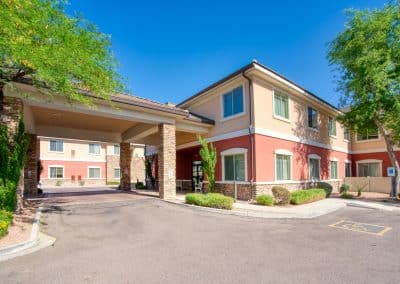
x=368, y=135
x=312, y=118
x=332, y=126
x=333, y=165
x=233, y=102
x=283, y=166
x=94, y=149
x=117, y=172
x=234, y=167
x=281, y=104
x=56, y=146
x=346, y=134
x=56, y=172
x=117, y=150
x=347, y=169
x=314, y=164
x=94, y=172
x=369, y=169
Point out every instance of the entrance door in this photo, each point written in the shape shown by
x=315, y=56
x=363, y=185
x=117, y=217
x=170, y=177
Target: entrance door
x=197, y=173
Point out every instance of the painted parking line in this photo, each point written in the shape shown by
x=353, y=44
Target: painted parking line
x=361, y=227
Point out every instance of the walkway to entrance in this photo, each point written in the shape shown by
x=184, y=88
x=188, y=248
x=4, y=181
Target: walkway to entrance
x=122, y=120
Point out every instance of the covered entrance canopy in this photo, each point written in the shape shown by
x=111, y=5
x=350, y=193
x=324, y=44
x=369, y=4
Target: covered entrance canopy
x=124, y=119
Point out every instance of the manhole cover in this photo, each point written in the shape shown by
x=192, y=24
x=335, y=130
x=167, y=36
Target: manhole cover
x=361, y=227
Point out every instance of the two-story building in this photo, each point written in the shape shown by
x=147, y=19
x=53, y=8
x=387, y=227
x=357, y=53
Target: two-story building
x=69, y=162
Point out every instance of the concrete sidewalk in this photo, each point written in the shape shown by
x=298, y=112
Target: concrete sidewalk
x=306, y=211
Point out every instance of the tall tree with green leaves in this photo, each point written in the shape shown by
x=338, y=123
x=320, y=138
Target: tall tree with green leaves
x=64, y=55
x=208, y=155
x=367, y=57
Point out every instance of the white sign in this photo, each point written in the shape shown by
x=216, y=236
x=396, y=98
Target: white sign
x=390, y=171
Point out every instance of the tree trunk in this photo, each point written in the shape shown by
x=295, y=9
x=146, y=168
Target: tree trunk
x=392, y=157
x=1, y=102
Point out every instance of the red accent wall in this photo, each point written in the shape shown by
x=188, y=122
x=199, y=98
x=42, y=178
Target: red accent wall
x=73, y=168
x=384, y=156
x=265, y=159
x=185, y=157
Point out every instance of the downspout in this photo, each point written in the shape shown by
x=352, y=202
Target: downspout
x=250, y=132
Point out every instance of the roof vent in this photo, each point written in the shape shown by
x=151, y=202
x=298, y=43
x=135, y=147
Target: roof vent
x=254, y=61
x=170, y=104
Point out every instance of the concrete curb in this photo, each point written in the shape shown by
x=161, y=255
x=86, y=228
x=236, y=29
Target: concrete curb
x=10, y=251
x=260, y=214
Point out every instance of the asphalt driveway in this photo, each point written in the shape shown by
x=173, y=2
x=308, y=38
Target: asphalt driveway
x=150, y=241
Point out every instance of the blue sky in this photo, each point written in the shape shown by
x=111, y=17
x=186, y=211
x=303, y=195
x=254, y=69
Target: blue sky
x=169, y=50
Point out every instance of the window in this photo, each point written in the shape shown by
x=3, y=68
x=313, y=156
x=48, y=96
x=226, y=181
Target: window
x=314, y=168
x=347, y=169
x=117, y=173
x=368, y=135
x=233, y=102
x=333, y=169
x=312, y=118
x=332, y=126
x=94, y=149
x=282, y=165
x=234, y=167
x=56, y=146
x=116, y=150
x=56, y=172
x=369, y=169
x=346, y=134
x=94, y=172
x=281, y=105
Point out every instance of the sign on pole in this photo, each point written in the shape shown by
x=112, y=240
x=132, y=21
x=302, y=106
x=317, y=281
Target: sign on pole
x=390, y=171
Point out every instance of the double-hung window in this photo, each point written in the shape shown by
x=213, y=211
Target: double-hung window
x=234, y=167
x=370, y=134
x=116, y=150
x=283, y=167
x=333, y=169
x=281, y=105
x=56, y=146
x=94, y=172
x=314, y=164
x=347, y=169
x=346, y=134
x=332, y=126
x=117, y=173
x=94, y=149
x=56, y=172
x=233, y=102
x=312, y=118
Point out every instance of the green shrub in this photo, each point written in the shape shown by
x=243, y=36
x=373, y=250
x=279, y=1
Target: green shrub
x=346, y=195
x=325, y=186
x=265, y=199
x=307, y=196
x=5, y=220
x=8, y=196
x=214, y=200
x=58, y=183
x=140, y=185
x=344, y=188
x=81, y=183
x=281, y=195
x=112, y=183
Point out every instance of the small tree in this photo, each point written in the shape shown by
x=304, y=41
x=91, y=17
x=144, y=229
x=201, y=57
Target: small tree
x=64, y=55
x=367, y=55
x=208, y=155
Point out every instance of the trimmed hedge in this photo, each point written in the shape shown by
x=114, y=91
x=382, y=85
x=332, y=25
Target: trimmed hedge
x=213, y=200
x=307, y=196
x=346, y=195
x=265, y=199
x=281, y=195
x=325, y=186
x=8, y=196
x=5, y=220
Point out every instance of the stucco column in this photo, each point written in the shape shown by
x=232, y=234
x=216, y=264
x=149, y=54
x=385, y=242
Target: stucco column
x=167, y=161
x=31, y=166
x=125, y=158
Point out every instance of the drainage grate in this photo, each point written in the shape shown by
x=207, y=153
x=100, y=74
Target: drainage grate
x=361, y=227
